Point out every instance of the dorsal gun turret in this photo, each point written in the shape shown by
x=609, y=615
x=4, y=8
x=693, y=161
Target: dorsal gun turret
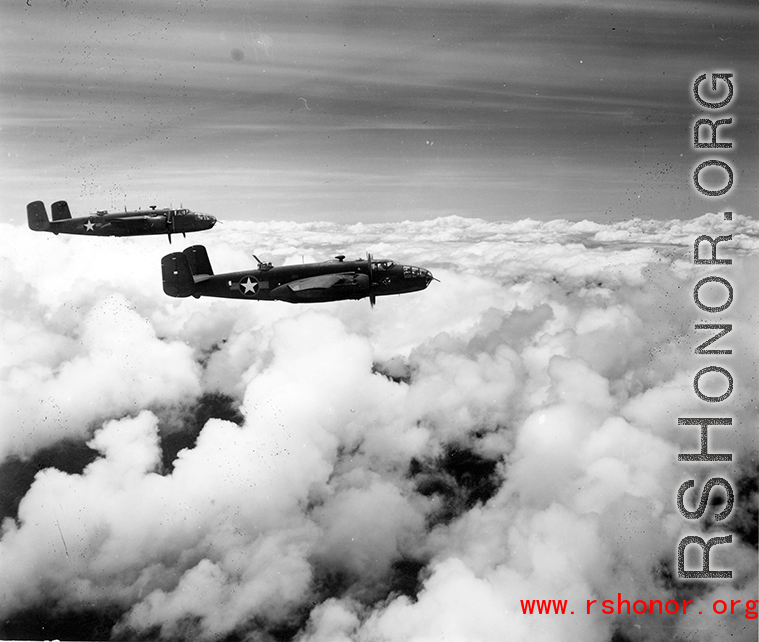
x=261, y=265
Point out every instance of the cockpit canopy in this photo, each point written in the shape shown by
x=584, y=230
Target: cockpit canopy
x=381, y=265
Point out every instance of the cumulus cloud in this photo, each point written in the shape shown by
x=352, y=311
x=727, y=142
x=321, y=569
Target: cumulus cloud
x=408, y=472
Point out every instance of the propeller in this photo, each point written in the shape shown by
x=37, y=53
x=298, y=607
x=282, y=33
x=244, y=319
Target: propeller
x=181, y=207
x=170, y=223
x=372, y=298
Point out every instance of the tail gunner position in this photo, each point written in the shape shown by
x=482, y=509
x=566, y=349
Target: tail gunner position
x=189, y=273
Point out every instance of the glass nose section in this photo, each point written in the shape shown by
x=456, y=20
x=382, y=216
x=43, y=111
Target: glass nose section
x=428, y=278
x=417, y=273
x=206, y=218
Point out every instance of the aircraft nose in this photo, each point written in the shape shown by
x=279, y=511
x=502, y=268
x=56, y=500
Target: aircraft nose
x=428, y=278
x=209, y=220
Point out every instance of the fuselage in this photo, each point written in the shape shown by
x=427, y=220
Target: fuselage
x=137, y=223
x=315, y=282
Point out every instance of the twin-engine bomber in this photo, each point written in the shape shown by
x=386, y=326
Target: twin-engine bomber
x=189, y=273
x=102, y=223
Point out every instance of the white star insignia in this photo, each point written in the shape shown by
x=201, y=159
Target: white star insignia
x=89, y=226
x=249, y=286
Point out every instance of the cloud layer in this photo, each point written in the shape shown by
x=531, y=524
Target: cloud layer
x=403, y=473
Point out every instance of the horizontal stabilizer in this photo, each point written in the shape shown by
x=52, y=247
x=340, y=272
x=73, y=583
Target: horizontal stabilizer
x=177, y=277
x=37, y=217
x=60, y=211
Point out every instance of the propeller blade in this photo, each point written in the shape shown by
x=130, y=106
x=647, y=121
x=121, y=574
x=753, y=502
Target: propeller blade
x=372, y=298
x=169, y=224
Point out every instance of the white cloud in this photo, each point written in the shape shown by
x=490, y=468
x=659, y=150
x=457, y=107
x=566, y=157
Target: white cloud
x=558, y=356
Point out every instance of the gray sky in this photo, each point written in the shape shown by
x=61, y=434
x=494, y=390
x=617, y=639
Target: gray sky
x=347, y=112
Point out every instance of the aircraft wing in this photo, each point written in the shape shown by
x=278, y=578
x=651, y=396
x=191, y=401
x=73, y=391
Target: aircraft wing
x=325, y=287
x=134, y=222
x=325, y=281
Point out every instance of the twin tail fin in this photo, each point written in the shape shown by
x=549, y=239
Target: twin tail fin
x=60, y=211
x=36, y=215
x=181, y=270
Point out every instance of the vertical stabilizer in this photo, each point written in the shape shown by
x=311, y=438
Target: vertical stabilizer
x=198, y=260
x=177, y=277
x=37, y=217
x=60, y=211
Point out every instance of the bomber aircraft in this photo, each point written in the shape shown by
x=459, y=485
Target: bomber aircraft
x=189, y=273
x=103, y=223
